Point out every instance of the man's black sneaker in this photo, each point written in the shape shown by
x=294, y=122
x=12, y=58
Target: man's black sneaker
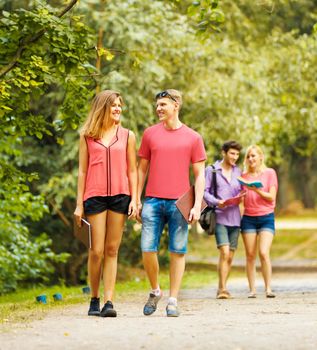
x=94, y=308
x=108, y=310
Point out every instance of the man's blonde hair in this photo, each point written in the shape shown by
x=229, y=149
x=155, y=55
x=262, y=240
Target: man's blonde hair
x=175, y=94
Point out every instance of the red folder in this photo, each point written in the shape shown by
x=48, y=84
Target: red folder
x=186, y=202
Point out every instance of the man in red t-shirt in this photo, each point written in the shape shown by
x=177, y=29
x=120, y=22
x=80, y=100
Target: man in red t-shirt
x=167, y=150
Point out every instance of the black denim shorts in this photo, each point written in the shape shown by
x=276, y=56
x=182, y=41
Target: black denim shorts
x=119, y=204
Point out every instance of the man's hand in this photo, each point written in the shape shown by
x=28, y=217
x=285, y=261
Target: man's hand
x=194, y=215
x=221, y=204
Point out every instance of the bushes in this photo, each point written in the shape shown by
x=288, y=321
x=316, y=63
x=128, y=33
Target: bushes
x=22, y=258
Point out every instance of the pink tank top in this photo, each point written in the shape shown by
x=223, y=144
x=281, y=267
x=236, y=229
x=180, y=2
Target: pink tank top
x=107, y=166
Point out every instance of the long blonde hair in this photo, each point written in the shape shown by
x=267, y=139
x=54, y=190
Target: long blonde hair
x=259, y=150
x=99, y=115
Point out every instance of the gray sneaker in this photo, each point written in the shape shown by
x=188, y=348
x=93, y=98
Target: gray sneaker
x=151, y=304
x=172, y=310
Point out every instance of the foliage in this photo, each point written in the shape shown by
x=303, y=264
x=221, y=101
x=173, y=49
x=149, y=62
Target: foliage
x=41, y=54
x=21, y=258
x=208, y=16
x=263, y=90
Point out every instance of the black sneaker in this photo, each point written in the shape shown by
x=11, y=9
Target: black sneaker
x=108, y=310
x=94, y=308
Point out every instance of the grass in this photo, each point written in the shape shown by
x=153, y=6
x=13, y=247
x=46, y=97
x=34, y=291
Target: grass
x=301, y=215
x=204, y=247
x=21, y=306
x=287, y=240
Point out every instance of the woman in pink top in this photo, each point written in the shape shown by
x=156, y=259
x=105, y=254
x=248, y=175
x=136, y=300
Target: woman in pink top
x=107, y=185
x=257, y=223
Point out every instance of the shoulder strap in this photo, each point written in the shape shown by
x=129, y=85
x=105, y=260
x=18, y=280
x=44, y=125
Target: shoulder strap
x=128, y=134
x=214, y=181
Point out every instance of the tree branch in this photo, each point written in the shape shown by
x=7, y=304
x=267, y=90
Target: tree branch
x=68, y=8
x=60, y=213
x=33, y=39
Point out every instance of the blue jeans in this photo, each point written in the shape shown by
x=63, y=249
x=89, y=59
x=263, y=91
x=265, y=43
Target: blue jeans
x=256, y=224
x=155, y=214
x=227, y=235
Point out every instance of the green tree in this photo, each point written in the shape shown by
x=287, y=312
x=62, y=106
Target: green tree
x=44, y=51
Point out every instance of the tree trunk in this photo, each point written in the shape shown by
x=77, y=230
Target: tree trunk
x=305, y=182
x=75, y=264
x=283, y=197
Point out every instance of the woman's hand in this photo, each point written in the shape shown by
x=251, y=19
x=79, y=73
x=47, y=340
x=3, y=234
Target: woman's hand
x=138, y=214
x=78, y=213
x=132, y=211
x=269, y=196
x=254, y=188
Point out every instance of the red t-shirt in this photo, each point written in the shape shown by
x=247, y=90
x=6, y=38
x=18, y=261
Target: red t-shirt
x=254, y=204
x=170, y=153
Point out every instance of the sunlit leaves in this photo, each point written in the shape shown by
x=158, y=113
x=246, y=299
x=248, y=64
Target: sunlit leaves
x=107, y=53
x=208, y=16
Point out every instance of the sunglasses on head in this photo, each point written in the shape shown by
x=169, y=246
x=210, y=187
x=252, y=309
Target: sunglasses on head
x=165, y=94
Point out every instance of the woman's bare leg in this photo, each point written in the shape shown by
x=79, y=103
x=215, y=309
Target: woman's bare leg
x=250, y=244
x=115, y=223
x=95, y=255
x=265, y=243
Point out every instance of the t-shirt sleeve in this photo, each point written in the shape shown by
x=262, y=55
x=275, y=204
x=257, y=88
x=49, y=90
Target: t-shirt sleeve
x=198, y=151
x=144, y=151
x=272, y=179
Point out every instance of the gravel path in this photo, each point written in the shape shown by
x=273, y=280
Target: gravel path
x=286, y=322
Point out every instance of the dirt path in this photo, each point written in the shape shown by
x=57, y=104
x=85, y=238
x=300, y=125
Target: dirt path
x=287, y=322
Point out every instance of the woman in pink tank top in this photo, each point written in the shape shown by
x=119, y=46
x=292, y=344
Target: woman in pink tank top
x=258, y=222
x=107, y=185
